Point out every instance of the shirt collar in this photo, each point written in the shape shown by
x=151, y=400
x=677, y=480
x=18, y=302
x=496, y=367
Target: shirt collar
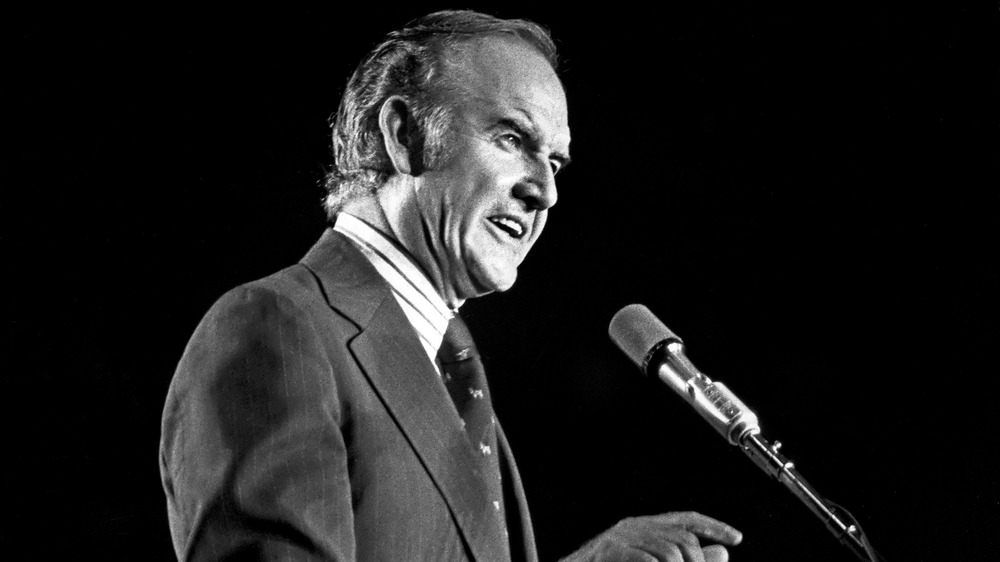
x=423, y=306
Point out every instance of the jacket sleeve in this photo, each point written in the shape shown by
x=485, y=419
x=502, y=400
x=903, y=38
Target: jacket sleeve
x=252, y=455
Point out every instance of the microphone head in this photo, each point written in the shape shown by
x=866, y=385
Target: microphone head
x=638, y=333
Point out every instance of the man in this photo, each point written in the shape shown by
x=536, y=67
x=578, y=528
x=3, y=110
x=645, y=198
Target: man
x=312, y=416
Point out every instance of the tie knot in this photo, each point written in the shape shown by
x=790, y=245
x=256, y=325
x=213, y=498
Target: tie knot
x=457, y=344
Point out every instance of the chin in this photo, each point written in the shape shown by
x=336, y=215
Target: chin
x=501, y=287
x=494, y=281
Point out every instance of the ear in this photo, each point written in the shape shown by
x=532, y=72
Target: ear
x=399, y=135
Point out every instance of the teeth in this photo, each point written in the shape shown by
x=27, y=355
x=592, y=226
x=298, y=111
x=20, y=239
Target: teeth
x=510, y=225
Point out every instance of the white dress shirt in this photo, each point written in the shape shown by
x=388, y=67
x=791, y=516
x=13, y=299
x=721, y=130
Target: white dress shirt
x=423, y=306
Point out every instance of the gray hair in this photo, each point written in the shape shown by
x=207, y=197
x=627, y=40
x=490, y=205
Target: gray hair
x=409, y=63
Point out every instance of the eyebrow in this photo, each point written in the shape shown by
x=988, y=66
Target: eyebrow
x=530, y=131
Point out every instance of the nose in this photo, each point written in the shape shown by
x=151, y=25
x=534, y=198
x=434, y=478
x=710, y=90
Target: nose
x=538, y=188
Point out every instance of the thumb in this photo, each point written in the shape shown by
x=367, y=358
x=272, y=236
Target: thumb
x=715, y=553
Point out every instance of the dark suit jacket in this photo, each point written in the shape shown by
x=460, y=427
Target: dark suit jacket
x=306, y=422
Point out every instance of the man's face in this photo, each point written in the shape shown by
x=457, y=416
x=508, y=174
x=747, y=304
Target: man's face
x=485, y=205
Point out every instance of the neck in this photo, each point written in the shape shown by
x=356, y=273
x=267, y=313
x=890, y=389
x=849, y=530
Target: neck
x=393, y=211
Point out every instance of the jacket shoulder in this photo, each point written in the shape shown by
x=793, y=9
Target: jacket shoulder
x=295, y=286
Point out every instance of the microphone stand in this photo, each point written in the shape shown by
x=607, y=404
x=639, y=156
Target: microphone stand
x=767, y=457
x=739, y=425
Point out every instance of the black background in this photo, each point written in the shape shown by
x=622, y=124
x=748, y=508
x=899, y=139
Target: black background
x=807, y=195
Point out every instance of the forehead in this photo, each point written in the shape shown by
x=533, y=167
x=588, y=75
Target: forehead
x=506, y=77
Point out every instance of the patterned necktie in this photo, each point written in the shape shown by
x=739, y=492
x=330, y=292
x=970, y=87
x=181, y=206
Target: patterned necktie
x=465, y=379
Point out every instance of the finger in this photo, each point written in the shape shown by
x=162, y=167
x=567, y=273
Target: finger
x=715, y=553
x=663, y=552
x=688, y=545
x=639, y=555
x=672, y=545
x=704, y=526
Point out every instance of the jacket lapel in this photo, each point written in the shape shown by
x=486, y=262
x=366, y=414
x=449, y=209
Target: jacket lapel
x=389, y=353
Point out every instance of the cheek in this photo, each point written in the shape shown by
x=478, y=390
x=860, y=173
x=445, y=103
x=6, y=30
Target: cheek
x=470, y=204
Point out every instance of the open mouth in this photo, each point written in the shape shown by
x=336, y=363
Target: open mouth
x=512, y=227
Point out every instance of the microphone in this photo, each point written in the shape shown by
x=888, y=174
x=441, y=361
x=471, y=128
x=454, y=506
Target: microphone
x=657, y=350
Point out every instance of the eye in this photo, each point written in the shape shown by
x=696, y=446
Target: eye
x=510, y=141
